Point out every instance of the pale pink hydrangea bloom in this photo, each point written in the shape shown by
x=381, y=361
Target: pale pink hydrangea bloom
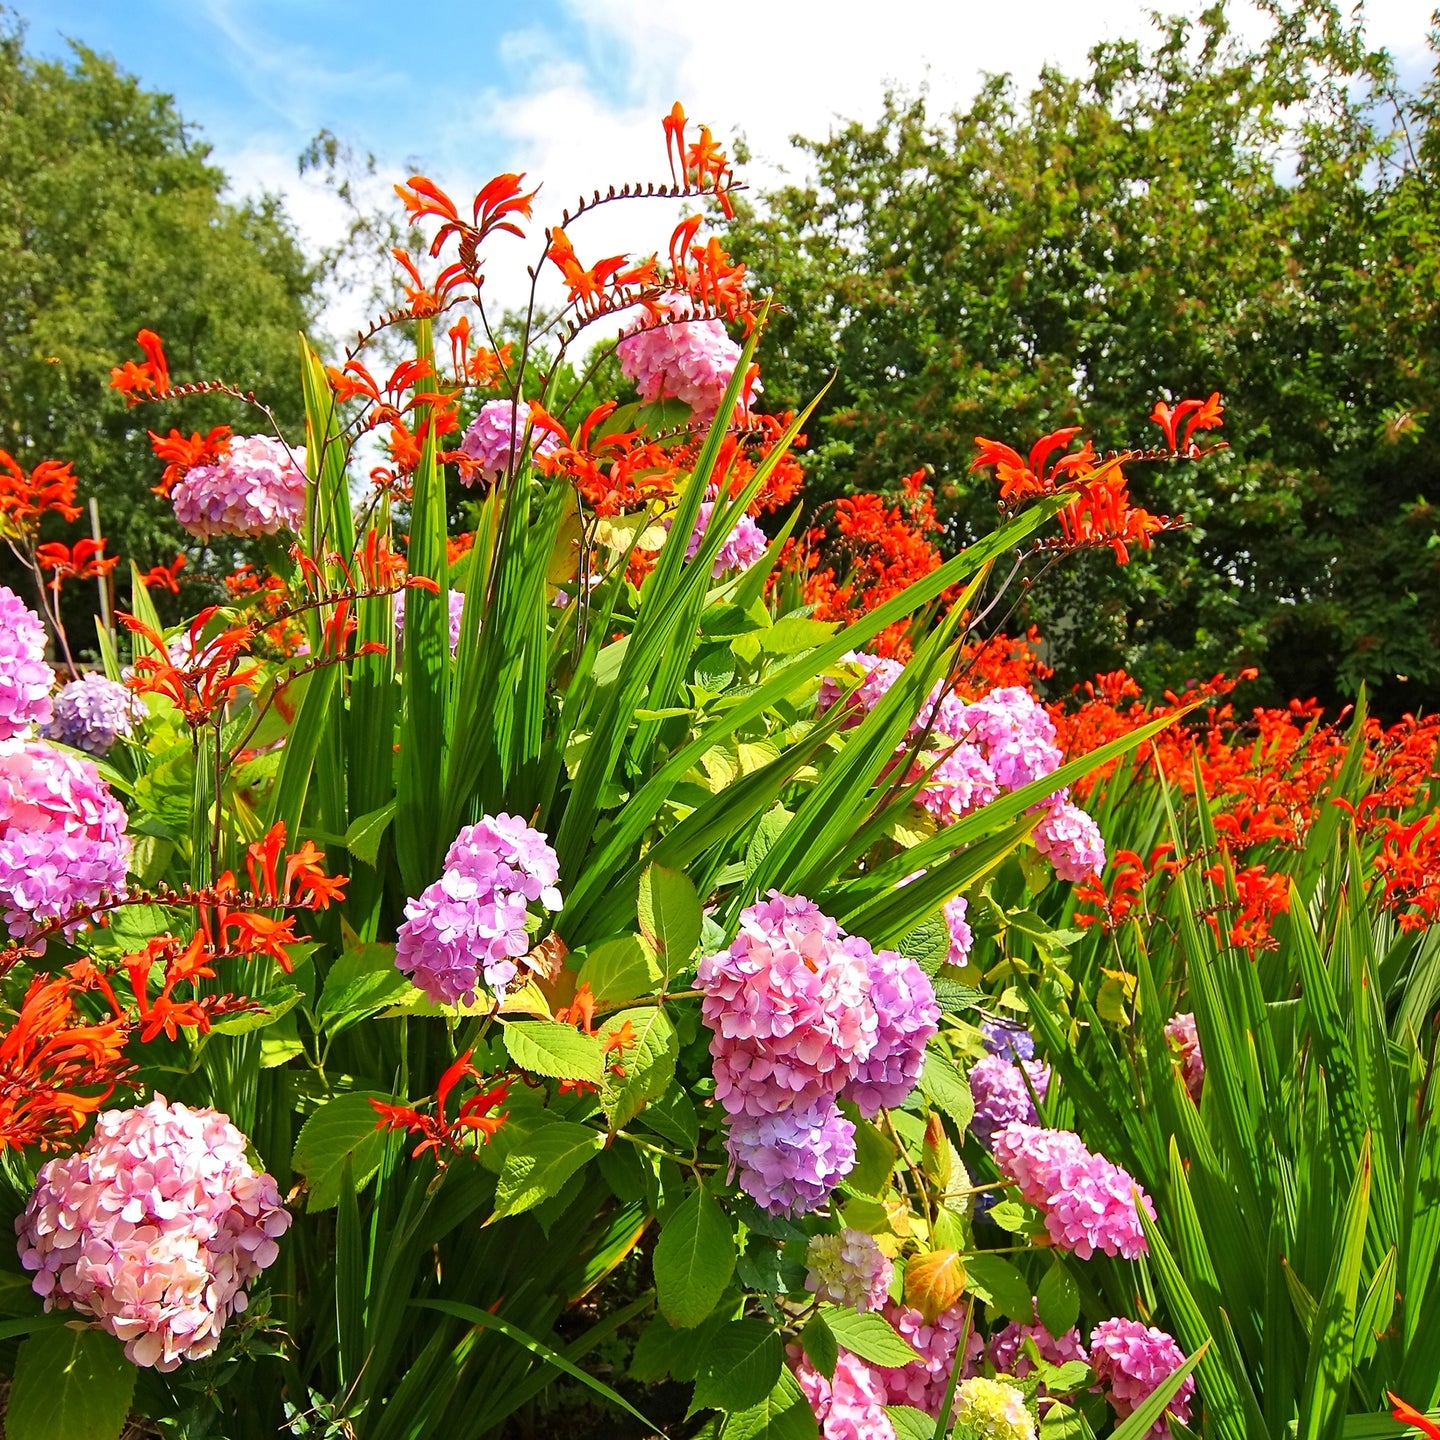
x=789, y=1005
x=496, y=436
x=1001, y=1094
x=904, y=1000
x=470, y=923
x=1007, y=1349
x=1088, y=1203
x=1015, y=733
x=790, y=1161
x=993, y=1410
x=850, y=1404
x=687, y=360
x=923, y=1382
x=256, y=488
x=1070, y=840
x=879, y=675
x=1131, y=1361
x=25, y=678
x=962, y=938
x=1185, y=1039
x=62, y=836
x=848, y=1269
x=962, y=781
x=156, y=1229
x=742, y=547
x=456, y=603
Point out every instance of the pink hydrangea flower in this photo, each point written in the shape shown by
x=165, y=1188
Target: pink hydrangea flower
x=1131, y=1361
x=850, y=1404
x=789, y=1162
x=92, y=713
x=879, y=675
x=962, y=781
x=256, y=488
x=1008, y=1355
x=848, y=1269
x=25, y=678
x=1070, y=840
x=789, y=1007
x=1185, y=1041
x=456, y=601
x=1088, y=1203
x=470, y=923
x=687, y=360
x=962, y=938
x=904, y=1000
x=923, y=1382
x=742, y=547
x=497, y=435
x=157, y=1229
x=1001, y=1094
x=62, y=836
x=1015, y=733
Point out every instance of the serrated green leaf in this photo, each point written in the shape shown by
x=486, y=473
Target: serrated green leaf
x=1000, y=1285
x=910, y=1423
x=545, y=1047
x=71, y=1383
x=947, y=1089
x=821, y=1348
x=694, y=1260
x=739, y=1366
x=1057, y=1301
x=870, y=1336
x=363, y=980
x=784, y=1414
x=541, y=1162
x=649, y=1063
x=620, y=969
x=363, y=837
x=343, y=1128
x=670, y=916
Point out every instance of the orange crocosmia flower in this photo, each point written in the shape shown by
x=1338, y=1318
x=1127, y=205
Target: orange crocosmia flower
x=84, y=560
x=1196, y=415
x=1407, y=1414
x=27, y=496
x=674, y=127
x=1022, y=478
x=150, y=379
x=181, y=453
x=437, y=1133
x=209, y=674
x=164, y=577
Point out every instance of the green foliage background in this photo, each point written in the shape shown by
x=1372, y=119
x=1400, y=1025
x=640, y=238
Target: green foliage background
x=1193, y=215
x=111, y=218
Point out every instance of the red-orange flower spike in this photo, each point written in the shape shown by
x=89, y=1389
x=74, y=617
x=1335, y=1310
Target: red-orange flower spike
x=1196, y=415
x=674, y=127
x=164, y=577
x=211, y=672
x=1407, y=1414
x=475, y=1116
x=85, y=560
x=181, y=453
x=152, y=378
x=25, y=497
x=1020, y=479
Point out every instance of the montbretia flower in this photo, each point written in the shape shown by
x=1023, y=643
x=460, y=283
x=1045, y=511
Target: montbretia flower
x=257, y=487
x=25, y=678
x=156, y=1229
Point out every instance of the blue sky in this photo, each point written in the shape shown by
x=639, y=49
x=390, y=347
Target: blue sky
x=571, y=90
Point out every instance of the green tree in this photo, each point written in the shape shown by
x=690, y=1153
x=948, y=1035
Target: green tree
x=112, y=218
x=1194, y=215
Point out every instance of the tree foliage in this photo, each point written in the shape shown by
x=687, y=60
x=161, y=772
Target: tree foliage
x=1193, y=215
x=112, y=218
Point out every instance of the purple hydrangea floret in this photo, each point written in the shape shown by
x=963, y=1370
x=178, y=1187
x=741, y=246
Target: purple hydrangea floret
x=25, y=678
x=256, y=488
x=92, y=713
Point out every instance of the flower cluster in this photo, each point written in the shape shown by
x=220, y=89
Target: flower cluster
x=62, y=835
x=923, y=1382
x=992, y=1410
x=1088, y=1203
x=25, y=678
x=456, y=602
x=470, y=924
x=1132, y=1360
x=802, y=1013
x=850, y=1405
x=1008, y=1349
x=687, y=360
x=92, y=713
x=962, y=937
x=257, y=487
x=496, y=437
x=1002, y=1090
x=742, y=547
x=1185, y=1042
x=848, y=1269
x=156, y=1229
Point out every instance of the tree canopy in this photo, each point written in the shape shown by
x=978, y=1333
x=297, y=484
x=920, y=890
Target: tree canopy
x=1192, y=215
x=113, y=219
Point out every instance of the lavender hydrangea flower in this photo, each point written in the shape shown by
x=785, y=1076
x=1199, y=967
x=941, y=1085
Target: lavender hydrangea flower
x=1070, y=840
x=1088, y=1203
x=496, y=437
x=789, y=1162
x=456, y=603
x=962, y=781
x=1016, y=734
x=1002, y=1096
x=962, y=938
x=742, y=547
x=92, y=713
x=156, y=1229
x=1185, y=1041
x=1014, y=1042
x=63, y=844
x=687, y=360
x=1131, y=1361
x=470, y=923
x=850, y=1404
x=904, y=1000
x=879, y=675
x=848, y=1269
x=256, y=488
x=25, y=678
